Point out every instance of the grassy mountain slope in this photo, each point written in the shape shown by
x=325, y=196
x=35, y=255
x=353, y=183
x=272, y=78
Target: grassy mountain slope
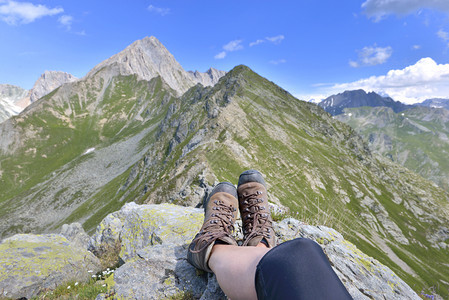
x=152, y=147
x=416, y=138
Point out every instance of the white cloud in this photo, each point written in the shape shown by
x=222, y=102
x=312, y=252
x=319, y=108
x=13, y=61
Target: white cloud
x=14, y=13
x=256, y=43
x=220, y=55
x=277, y=62
x=229, y=47
x=275, y=39
x=66, y=21
x=423, y=80
x=416, y=47
x=371, y=56
x=159, y=10
x=233, y=46
x=378, y=9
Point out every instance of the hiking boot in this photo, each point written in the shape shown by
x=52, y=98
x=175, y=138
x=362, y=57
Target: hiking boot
x=220, y=212
x=254, y=210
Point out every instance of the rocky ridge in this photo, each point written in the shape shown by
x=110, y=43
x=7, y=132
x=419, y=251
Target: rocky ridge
x=153, y=243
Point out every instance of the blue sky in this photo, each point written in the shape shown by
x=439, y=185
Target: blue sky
x=312, y=48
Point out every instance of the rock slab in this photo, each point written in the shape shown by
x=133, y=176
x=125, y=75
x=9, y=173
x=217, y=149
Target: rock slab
x=33, y=263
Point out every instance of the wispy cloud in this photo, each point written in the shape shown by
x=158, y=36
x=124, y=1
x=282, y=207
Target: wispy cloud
x=272, y=39
x=275, y=39
x=233, y=46
x=423, y=80
x=14, y=13
x=230, y=47
x=258, y=42
x=378, y=9
x=277, y=62
x=220, y=55
x=371, y=56
x=159, y=10
x=416, y=47
x=66, y=21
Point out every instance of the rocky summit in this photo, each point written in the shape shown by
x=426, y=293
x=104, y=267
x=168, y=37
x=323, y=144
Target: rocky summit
x=115, y=136
x=148, y=58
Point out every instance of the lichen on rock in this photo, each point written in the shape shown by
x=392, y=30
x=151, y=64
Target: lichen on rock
x=154, y=241
x=32, y=263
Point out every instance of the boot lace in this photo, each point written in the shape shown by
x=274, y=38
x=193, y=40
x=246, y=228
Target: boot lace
x=220, y=224
x=256, y=222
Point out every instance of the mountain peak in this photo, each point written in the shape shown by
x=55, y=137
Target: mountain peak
x=49, y=81
x=148, y=58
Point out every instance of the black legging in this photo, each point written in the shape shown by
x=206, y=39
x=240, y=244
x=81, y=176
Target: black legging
x=298, y=269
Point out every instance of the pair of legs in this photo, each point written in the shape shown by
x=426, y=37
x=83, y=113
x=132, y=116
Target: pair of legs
x=297, y=269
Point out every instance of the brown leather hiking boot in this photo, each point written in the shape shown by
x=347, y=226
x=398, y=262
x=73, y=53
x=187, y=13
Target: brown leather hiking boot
x=254, y=210
x=220, y=210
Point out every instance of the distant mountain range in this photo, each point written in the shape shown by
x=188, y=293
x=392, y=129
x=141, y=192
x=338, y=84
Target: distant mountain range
x=145, y=58
x=139, y=128
x=335, y=104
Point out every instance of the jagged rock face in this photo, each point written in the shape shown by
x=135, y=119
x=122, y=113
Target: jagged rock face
x=208, y=78
x=9, y=95
x=335, y=104
x=48, y=82
x=148, y=58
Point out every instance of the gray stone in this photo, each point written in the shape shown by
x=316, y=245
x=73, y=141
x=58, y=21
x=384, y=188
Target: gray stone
x=31, y=263
x=76, y=235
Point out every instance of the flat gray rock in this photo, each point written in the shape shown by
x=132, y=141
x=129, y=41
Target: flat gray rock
x=31, y=263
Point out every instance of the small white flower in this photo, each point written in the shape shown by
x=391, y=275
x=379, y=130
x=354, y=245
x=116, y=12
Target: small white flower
x=76, y=283
x=68, y=287
x=104, y=284
x=90, y=271
x=107, y=269
x=93, y=276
